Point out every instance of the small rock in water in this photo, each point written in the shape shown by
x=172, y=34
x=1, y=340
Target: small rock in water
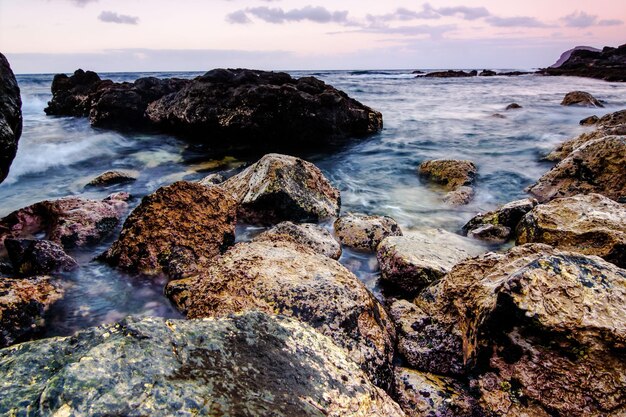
x=449, y=173
x=513, y=106
x=38, y=257
x=113, y=177
x=487, y=73
x=580, y=98
x=363, y=232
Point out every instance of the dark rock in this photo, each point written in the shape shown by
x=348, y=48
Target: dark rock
x=71, y=95
x=498, y=116
x=245, y=365
x=417, y=72
x=496, y=226
x=608, y=64
x=38, y=257
x=10, y=117
x=487, y=73
x=307, y=234
x=473, y=73
x=580, y=98
x=113, y=177
x=175, y=229
x=588, y=121
x=514, y=73
x=450, y=74
x=567, y=54
x=363, y=232
x=513, y=106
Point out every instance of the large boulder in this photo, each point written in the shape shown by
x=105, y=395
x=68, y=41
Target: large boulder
x=538, y=331
x=580, y=98
x=364, y=232
x=23, y=303
x=497, y=226
x=175, y=229
x=30, y=257
x=589, y=224
x=246, y=365
x=595, y=167
x=281, y=187
x=71, y=96
x=285, y=278
x=72, y=221
x=307, y=234
x=10, y=116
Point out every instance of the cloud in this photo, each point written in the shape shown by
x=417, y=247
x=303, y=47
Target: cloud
x=467, y=13
x=610, y=22
x=579, y=20
x=316, y=14
x=239, y=16
x=401, y=14
x=112, y=17
x=516, y=21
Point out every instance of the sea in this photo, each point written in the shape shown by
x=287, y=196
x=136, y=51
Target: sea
x=424, y=118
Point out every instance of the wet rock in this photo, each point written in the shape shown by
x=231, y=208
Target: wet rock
x=614, y=119
x=580, y=98
x=498, y=116
x=38, y=257
x=564, y=149
x=539, y=331
x=113, y=177
x=286, y=278
x=450, y=74
x=487, y=73
x=281, y=187
x=449, y=173
x=71, y=95
x=23, y=302
x=513, y=106
x=588, y=121
x=589, y=224
x=175, y=228
x=594, y=167
x=496, y=226
x=244, y=365
x=10, y=117
x=363, y=232
x=608, y=64
x=308, y=234
x=459, y=197
x=417, y=259
x=72, y=221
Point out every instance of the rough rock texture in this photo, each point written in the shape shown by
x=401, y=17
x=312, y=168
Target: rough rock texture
x=38, y=257
x=539, y=331
x=449, y=173
x=363, y=232
x=595, y=167
x=589, y=121
x=589, y=224
x=113, y=177
x=181, y=225
x=23, y=302
x=307, y=234
x=248, y=365
x=290, y=279
x=71, y=221
x=513, y=106
x=459, y=197
x=608, y=64
x=449, y=74
x=212, y=179
x=71, y=95
x=580, y=98
x=496, y=226
x=281, y=187
x=417, y=259
x=10, y=116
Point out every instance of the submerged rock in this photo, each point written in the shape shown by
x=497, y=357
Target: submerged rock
x=38, y=257
x=513, y=106
x=308, y=234
x=580, y=98
x=23, y=302
x=363, y=232
x=10, y=117
x=245, y=365
x=285, y=278
x=497, y=226
x=459, y=197
x=281, y=187
x=174, y=229
x=449, y=173
x=113, y=177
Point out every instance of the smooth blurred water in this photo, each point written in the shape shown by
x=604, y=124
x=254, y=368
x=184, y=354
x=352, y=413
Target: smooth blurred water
x=424, y=118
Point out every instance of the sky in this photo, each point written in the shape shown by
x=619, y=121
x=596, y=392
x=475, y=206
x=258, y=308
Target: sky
x=49, y=36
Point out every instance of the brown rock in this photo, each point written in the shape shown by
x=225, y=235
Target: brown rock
x=113, y=177
x=307, y=234
x=449, y=173
x=589, y=121
x=496, y=226
x=580, y=98
x=175, y=228
x=38, y=257
x=363, y=232
x=460, y=196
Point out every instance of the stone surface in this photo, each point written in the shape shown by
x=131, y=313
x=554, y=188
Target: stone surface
x=459, y=197
x=419, y=258
x=38, y=257
x=513, y=106
x=580, y=98
x=71, y=95
x=588, y=121
x=175, y=229
x=595, y=167
x=496, y=226
x=290, y=279
x=449, y=173
x=608, y=64
x=307, y=234
x=71, y=221
x=113, y=177
x=281, y=187
x=245, y=365
x=363, y=232
x=449, y=74
x=589, y=224
x=10, y=117
x=23, y=302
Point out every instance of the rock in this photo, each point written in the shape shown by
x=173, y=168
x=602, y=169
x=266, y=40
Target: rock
x=363, y=232
x=281, y=187
x=450, y=74
x=588, y=121
x=496, y=226
x=498, y=116
x=594, y=167
x=513, y=106
x=71, y=95
x=459, y=197
x=449, y=173
x=614, y=119
x=244, y=365
x=567, y=54
x=72, y=222
x=212, y=179
x=311, y=235
x=608, y=64
x=580, y=98
x=538, y=331
x=564, y=149
x=175, y=229
x=285, y=278
x=589, y=224
x=10, y=117
x=514, y=73
x=113, y=177
x=23, y=302
x=417, y=259
x=38, y=257
x=487, y=73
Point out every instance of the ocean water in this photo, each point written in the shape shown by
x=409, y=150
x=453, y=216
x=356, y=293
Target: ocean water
x=423, y=119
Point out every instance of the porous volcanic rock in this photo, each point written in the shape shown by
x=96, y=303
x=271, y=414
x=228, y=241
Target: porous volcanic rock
x=594, y=167
x=589, y=224
x=244, y=365
x=31, y=257
x=363, y=232
x=609, y=64
x=179, y=226
x=113, y=177
x=10, y=116
x=449, y=173
x=285, y=278
x=497, y=226
x=308, y=234
x=282, y=187
x=23, y=302
x=580, y=98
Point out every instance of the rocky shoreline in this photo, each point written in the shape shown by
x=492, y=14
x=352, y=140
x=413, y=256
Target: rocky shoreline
x=523, y=317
